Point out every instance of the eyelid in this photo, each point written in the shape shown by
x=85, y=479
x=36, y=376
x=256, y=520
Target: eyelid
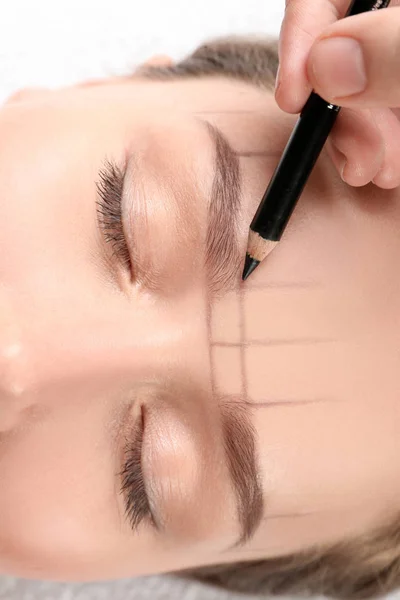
x=134, y=211
x=110, y=186
x=152, y=212
x=173, y=462
x=133, y=486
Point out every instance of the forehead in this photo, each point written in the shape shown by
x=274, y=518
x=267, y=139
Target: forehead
x=78, y=126
x=202, y=95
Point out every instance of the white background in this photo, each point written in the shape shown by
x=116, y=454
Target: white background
x=58, y=42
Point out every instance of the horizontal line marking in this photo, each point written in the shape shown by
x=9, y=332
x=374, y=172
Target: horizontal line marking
x=285, y=285
x=270, y=403
x=274, y=342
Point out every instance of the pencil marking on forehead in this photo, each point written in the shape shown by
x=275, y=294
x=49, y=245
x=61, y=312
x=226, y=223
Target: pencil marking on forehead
x=231, y=112
x=276, y=342
x=242, y=325
x=284, y=285
x=289, y=403
x=255, y=154
x=234, y=391
x=228, y=370
x=225, y=320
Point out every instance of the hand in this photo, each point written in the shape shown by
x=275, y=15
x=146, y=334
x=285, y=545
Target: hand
x=355, y=63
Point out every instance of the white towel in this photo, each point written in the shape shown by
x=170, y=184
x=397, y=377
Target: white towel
x=54, y=43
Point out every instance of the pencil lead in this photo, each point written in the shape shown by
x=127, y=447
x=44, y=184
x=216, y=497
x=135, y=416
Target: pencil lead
x=249, y=266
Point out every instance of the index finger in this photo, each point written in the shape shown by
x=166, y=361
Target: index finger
x=303, y=22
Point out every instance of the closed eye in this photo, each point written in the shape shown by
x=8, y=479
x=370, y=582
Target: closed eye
x=133, y=488
x=109, y=211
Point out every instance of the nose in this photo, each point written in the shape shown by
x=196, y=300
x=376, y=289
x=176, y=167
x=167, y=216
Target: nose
x=15, y=367
x=13, y=372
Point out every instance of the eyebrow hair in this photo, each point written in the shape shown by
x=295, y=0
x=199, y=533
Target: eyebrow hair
x=239, y=438
x=222, y=256
x=222, y=261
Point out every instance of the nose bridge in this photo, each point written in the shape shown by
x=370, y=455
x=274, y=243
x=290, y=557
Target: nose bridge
x=43, y=354
x=48, y=353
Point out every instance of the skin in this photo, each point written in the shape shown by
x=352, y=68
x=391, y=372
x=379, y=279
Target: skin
x=81, y=345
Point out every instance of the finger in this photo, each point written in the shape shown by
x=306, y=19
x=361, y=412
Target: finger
x=355, y=63
x=338, y=158
x=303, y=22
x=357, y=147
x=388, y=177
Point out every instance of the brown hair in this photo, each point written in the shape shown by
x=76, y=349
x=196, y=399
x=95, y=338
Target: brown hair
x=364, y=567
x=248, y=59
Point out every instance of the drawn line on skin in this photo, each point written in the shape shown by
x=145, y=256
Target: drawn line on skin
x=256, y=154
x=272, y=403
x=292, y=515
x=210, y=348
x=242, y=344
x=275, y=342
x=286, y=403
x=230, y=112
x=285, y=284
x=277, y=516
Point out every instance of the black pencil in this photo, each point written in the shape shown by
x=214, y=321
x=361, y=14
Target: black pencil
x=299, y=157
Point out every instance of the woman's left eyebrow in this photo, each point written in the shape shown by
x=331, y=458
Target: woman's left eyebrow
x=222, y=256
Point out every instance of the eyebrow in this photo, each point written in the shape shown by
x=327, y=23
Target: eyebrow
x=239, y=439
x=222, y=254
x=222, y=261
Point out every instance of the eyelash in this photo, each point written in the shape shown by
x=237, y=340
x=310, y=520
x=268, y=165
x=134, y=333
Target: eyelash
x=109, y=210
x=137, y=505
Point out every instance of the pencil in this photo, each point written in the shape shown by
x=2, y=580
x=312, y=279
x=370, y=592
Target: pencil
x=294, y=168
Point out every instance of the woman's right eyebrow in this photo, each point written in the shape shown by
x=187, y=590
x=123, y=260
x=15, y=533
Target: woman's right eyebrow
x=222, y=255
x=239, y=438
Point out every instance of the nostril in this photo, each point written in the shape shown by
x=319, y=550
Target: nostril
x=15, y=386
x=16, y=364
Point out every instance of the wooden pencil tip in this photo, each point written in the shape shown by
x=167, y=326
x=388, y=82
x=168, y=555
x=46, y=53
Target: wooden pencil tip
x=249, y=266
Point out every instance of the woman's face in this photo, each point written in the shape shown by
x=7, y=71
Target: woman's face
x=242, y=421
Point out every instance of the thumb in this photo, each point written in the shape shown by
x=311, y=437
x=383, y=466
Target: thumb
x=355, y=62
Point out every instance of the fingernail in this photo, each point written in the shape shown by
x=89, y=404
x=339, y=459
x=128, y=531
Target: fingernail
x=338, y=68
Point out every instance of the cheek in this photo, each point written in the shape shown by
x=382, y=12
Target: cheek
x=58, y=502
x=48, y=224
x=49, y=167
